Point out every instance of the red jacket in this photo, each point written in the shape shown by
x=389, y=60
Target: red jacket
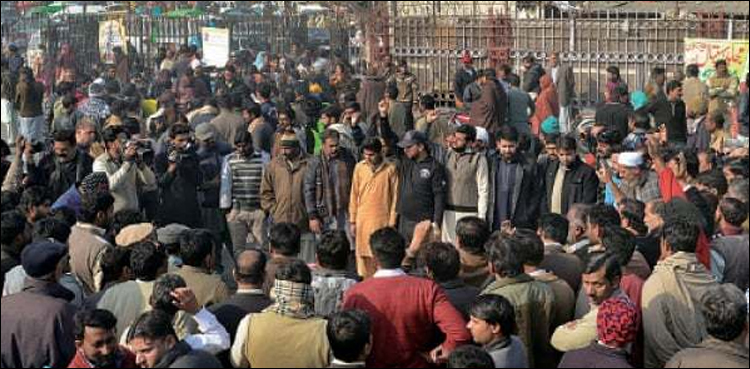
x=126, y=359
x=409, y=316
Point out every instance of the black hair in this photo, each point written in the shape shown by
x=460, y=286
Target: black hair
x=724, y=309
x=680, y=235
x=642, y=120
x=161, y=297
x=470, y=357
x=604, y=215
x=51, y=228
x=333, y=111
x=620, y=243
x=67, y=136
x=253, y=109
x=389, y=248
x=568, y=143
x=469, y=131
x=442, y=260
x=507, y=133
x=349, y=333
x=610, y=264
x=692, y=164
x=65, y=215
x=733, y=211
x=473, y=233
x=179, y=130
x=554, y=227
x=94, y=203
x=427, y=102
x=392, y=92
x=331, y=134
x=285, y=239
x=93, y=318
x=714, y=179
x=333, y=250
x=289, y=112
x=495, y=310
x=112, y=134
x=113, y=264
x=295, y=271
x=33, y=197
x=125, y=218
x=152, y=325
x=504, y=256
x=10, y=200
x=692, y=70
x=13, y=225
x=265, y=90
x=634, y=212
x=373, y=144
x=146, y=260
x=531, y=250
x=673, y=85
x=513, y=79
x=354, y=106
x=242, y=137
x=195, y=246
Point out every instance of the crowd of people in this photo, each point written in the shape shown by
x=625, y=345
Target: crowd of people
x=282, y=212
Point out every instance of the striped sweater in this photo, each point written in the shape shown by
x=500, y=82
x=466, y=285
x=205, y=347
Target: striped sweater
x=241, y=179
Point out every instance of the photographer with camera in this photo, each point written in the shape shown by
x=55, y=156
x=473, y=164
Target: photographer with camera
x=128, y=173
x=62, y=167
x=179, y=177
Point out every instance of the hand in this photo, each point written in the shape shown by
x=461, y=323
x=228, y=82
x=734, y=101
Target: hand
x=130, y=153
x=316, y=226
x=605, y=175
x=421, y=234
x=20, y=146
x=507, y=228
x=28, y=151
x=185, y=300
x=431, y=116
x=383, y=109
x=438, y=356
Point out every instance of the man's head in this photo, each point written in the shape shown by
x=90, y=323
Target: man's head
x=620, y=243
x=464, y=138
x=285, y=240
x=472, y=233
x=97, y=209
x=715, y=122
x=721, y=68
x=331, y=143
x=469, y=356
x=441, y=260
x=693, y=70
x=674, y=91
x=243, y=143
x=554, y=228
x=331, y=115
x=601, y=216
x=115, y=139
x=179, y=136
x=147, y=262
x=617, y=322
x=678, y=235
x=531, y=251
x=85, y=133
x=492, y=319
x=35, y=203
x=372, y=151
x=96, y=338
x=151, y=338
x=161, y=297
x=504, y=256
x=333, y=250
x=64, y=145
x=414, y=145
x=732, y=212
x=601, y=279
x=507, y=142
x=14, y=232
x=349, y=333
x=290, y=145
x=613, y=74
x=389, y=248
x=196, y=248
x=250, y=268
x=251, y=112
x=725, y=312
x=578, y=219
x=554, y=59
x=567, y=151
x=529, y=61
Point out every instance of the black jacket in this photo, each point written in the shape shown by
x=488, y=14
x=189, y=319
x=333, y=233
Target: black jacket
x=422, y=190
x=182, y=356
x=60, y=177
x=526, y=196
x=179, y=191
x=677, y=125
x=581, y=186
x=463, y=79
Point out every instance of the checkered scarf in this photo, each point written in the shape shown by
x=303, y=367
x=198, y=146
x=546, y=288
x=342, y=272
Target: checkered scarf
x=617, y=322
x=294, y=300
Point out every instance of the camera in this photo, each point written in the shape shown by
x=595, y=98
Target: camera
x=144, y=150
x=177, y=155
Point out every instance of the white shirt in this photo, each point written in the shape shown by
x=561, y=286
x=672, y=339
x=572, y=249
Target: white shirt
x=389, y=273
x=213, y=339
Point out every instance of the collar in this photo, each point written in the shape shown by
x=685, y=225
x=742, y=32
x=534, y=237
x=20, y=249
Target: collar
x=55, y=290
x=194, y=270
x=254, y=292
x=728, y=230
x=554, y=248
x=505, y=282
x=389, y=273
x=91, y=229
x=572, y=249
x=341, y=364
x=452, y=285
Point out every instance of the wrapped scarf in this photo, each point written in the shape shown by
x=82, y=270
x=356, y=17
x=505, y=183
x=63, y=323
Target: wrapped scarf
x=293, y=300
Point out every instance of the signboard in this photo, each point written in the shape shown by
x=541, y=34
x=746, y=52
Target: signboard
x=706, y=52
x=111, y=35
x=215, y=46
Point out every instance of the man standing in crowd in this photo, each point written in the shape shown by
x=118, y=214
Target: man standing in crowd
x=465, y=76
x=422, y=186
x=564, y=79
x=372, y=203
x=568, y=181
x=467, y=174
x=282, y=191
